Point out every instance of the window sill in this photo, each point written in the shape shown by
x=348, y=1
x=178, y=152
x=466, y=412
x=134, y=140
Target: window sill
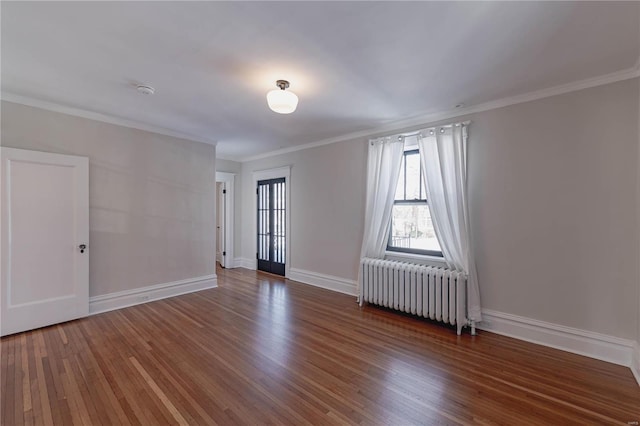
x=421, y=259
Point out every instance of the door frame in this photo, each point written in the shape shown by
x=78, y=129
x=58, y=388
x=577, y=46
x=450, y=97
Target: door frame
x=280, y=172
x=227, y=179
x=220, y=229
x=273, y=203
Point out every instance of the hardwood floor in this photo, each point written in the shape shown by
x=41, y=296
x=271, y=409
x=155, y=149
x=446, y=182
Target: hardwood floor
x=262, y=350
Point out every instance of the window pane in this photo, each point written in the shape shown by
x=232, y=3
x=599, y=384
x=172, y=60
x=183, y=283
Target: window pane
x=400, y=187
x=413, y=176
x=412, y=228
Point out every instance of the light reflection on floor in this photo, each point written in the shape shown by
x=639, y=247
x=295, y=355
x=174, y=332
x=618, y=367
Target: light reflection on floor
x=395, y=391
x=273, y=332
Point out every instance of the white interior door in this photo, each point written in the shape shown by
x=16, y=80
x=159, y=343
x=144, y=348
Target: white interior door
x=45, y=224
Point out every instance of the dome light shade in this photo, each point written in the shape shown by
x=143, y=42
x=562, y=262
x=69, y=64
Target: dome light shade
x=280, y=100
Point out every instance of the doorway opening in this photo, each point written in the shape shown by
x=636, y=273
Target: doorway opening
x=220, y=201
x=224, y=219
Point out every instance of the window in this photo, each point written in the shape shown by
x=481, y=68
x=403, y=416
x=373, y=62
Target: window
x=411, y=226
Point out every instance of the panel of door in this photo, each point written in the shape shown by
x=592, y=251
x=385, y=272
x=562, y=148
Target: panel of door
x=271, y=225
x=44, y=257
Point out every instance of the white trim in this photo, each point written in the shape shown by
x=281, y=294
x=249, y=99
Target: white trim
x=328, y=282
x=280, y=172
x=228, y=180
x=419, y=259
x=635, y=362
x=635, y=359
x=595, y=345
x=105, y=118
x=137, y=296
x=421, y=120
x=243, y=262
x=424, y=120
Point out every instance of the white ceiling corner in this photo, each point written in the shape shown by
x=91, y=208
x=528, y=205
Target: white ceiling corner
x=105, y=118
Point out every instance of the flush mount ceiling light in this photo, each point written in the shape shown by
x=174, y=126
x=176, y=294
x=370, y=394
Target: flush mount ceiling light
x=280, y=100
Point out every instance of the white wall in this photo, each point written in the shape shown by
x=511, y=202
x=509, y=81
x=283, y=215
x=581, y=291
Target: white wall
x=636, y=362
x=554, y=208
x=151, y=197
x=327, y=206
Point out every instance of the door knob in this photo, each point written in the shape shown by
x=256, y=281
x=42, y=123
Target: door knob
x=82, y=247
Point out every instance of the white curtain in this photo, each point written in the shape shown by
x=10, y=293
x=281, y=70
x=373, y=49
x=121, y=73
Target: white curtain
x=443, y=153
x=383, y=170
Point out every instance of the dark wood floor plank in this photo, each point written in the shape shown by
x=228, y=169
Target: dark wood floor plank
x=26, y=389
x=8, y=388
x=40, y=359
x=264, y=350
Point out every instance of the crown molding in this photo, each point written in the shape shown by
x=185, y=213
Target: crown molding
x=422, y=120
x=105, y=118
x=322, y=142
x=425, y=120
x=224, y=157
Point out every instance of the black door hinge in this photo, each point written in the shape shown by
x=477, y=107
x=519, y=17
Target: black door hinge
x=224, y=253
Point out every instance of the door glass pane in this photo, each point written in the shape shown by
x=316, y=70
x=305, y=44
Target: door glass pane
x=263, y=222
x=279, y=222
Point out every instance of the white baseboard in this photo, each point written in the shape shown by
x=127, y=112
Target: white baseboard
x=329, y=282
x=595, y=345
x=635, y=363
x=123, y=299
x=243, y=262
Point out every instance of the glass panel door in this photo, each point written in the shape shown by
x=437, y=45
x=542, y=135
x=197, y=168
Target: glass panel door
x=271, y=204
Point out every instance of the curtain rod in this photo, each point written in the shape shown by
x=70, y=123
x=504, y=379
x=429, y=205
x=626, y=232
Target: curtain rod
x=463, y=123
x=408, y=135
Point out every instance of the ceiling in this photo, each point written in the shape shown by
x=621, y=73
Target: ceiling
x=356, y=66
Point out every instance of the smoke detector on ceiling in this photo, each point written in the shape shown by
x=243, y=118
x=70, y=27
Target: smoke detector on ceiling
x=145, y=90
